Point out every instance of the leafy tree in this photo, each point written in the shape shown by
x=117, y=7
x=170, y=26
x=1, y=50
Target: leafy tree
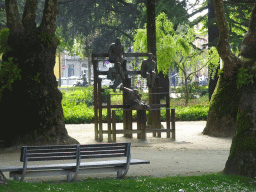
x=175, y=48
x=240, y=74
x=30, y=101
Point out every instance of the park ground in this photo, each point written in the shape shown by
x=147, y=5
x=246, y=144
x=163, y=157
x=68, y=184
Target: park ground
x=191, y=154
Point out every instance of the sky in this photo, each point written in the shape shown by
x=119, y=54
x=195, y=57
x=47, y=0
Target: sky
x=195, y=16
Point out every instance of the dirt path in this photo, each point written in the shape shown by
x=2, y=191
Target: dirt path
x=191, y=154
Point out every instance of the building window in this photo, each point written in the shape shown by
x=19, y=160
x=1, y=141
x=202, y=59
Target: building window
x=71, y=70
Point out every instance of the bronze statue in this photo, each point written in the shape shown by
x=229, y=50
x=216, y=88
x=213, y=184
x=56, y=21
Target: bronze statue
x=116, y=54
x=148, y=70
x=133, y=99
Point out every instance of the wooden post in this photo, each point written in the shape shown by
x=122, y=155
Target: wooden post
x=127, y=114
x=100, y=111
x=109, y=117
x=158, y=112
x=168, y=125
x=143, y=125
x=173, y=124
x=96, y=128
x=114, y=125
x=139, y=121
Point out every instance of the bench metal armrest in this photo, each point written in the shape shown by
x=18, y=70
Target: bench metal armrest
x=24, y=159
x=121, y=173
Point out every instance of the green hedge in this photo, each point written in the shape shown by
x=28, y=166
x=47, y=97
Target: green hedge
x=78, y=108
x=82, y=114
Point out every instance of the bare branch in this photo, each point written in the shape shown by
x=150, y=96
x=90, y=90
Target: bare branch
x=49, y=17
x=12, y=14
x=29, y=15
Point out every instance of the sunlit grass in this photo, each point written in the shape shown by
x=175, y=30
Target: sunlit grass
x=212, y=183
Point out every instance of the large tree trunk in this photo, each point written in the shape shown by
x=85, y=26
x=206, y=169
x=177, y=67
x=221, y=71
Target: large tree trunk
x=213, y=34
x=31, y=113
x=223, y=106
x=242, y=157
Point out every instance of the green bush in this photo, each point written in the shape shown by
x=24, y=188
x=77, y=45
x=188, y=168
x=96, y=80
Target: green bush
x=78, y=107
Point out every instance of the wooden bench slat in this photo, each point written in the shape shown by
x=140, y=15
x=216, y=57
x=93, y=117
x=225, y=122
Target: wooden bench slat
x=51, y=158
x=50, y=150
x=104, y=152
x=55, y=154
x=102, y=148
x=50, y=147
x=101, y=156
x=105, y=145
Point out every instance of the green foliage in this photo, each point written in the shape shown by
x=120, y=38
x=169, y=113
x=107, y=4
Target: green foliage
x=36, y=77
x=4, y=47
x=193, y=90
x=244, y=77
x=208, y=183
x=77, y=106
x=175, y=48
x=46, y=38
x=9, y=73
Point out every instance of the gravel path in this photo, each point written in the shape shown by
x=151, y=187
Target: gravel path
x=191, y=154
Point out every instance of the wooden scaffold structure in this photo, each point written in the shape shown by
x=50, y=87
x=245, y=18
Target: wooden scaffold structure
x=142, y=127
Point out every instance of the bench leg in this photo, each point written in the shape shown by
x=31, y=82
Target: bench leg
x=121, y=173
x=69, y=176
x=16, y=178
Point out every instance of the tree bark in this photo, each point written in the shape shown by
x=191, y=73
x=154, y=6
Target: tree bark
x=213, y=34
x=242, y=157
x=32, y=112
x=224, y=103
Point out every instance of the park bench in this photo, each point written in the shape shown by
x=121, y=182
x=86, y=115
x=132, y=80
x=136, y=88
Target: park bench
x=77, y=153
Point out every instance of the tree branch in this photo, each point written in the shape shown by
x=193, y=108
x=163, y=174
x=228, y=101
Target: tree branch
x=12, y=15
x=123, y=2
x=202, y=66
x=249, y=42
x=223, y=45
x=49, y=16
x=29, y=15
x=198, y=11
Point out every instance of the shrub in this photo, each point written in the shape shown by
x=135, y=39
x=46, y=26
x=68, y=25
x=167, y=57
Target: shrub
x=77, y=106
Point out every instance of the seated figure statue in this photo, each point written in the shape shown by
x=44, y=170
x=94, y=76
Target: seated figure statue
x=116, y=54
x=134, y=99
x=148, y=70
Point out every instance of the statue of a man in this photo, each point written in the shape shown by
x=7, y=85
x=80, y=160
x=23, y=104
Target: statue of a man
x=116, y=54
x=134, y=99
x=148, y=70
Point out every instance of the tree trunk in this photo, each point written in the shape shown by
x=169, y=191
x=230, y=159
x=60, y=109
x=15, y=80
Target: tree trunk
x=186, y=89
x=223, y=106
x=213, y=34
x=242, y=157
x=32, y=112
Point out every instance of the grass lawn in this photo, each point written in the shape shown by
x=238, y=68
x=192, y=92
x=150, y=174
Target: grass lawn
x=211, y=182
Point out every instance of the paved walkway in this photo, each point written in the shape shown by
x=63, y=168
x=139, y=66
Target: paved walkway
x=191, y=154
